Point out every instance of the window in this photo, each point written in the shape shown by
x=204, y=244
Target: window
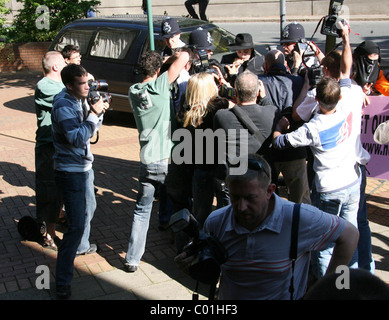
x=113, y=44
x=78, y=38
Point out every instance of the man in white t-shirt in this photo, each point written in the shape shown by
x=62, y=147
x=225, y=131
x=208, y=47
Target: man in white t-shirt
x=334, y=65
x=333, y=135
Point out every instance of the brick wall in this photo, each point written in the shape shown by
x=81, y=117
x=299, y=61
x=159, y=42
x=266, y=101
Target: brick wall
x=22, y=56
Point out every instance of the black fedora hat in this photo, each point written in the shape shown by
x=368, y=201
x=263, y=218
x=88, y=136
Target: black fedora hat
x=242, y=41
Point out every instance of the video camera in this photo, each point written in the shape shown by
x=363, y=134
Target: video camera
x=94, y=94
x=207, y=250
x=331, y=26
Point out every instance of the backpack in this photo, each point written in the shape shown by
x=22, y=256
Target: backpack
x=31, y=230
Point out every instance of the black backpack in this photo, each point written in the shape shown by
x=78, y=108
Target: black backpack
x=31, y=230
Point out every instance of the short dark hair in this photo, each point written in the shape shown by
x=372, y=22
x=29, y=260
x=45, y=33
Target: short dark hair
x=328, y=93
x=149, y=63
x=71, y=71
x=332, y=62
x=68, y=50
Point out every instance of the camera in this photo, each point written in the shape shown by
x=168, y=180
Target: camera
x=207, y=250
x=330, y=26
x=304, y=48
x=201, y=64
x=227, y=92
x=94, y=93
x=314, y=75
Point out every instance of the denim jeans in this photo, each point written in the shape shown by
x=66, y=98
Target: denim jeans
x=343, y=203
x=150, y=177
x=365, y=259
x=80, y=203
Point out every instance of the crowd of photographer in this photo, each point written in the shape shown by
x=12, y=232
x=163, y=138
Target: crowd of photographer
x=330, y=174
x=267, y=109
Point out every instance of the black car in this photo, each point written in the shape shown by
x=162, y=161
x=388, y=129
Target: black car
x=111, y=47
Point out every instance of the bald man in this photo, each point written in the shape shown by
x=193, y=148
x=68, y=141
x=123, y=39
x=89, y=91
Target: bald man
x=48, y=200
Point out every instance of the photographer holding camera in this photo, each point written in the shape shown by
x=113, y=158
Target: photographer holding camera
x=337, y=65
x=155, y=119
x=256, y=229
x=72, y=128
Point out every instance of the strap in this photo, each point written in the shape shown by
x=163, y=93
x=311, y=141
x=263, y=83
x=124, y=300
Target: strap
x=294, y=243
x=295, y=226
x=248, y=123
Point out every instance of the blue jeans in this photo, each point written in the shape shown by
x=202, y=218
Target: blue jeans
x=343, y=203
x=365, y=259
x=150, y=177
x=80, y=203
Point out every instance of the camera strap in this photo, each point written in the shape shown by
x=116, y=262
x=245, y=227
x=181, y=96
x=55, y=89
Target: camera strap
x=248, y=123
x=294, y=243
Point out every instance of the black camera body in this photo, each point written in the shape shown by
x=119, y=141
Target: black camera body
x=314, y=75
x=227, y=92
x=329, y=26
x=94, y=93
x=330, y=22
x=207, y=250
x=304, y=48
x=202, y=64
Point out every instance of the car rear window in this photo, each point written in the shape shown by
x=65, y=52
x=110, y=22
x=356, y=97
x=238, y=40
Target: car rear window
x=77, y=37
x=113, y=44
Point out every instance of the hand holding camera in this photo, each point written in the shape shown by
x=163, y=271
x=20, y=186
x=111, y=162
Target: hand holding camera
x=98, y=102
x=202, y=256
x=99, y=107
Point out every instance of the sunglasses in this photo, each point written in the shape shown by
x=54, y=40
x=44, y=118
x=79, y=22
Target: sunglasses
x=252, y=164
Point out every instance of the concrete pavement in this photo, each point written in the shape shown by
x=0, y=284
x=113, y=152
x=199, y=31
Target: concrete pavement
x=101, y=275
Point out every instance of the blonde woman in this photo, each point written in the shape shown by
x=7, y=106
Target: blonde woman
x=202, y=103
x=200, y=89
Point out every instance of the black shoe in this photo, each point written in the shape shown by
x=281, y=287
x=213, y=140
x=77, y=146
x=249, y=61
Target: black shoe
x=63, y=292
x=130, y=267
x=92, y=249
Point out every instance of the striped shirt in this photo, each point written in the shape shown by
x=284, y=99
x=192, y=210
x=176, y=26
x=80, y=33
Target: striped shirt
x=258, y=265
x=72, y=128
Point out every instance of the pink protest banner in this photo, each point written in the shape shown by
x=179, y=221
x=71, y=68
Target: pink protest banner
x=374, y=114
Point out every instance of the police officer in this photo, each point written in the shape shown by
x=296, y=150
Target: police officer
x=171, y=33
x=299, y=53
x=201, y=40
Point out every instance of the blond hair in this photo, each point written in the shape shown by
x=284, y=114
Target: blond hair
x=200, y=89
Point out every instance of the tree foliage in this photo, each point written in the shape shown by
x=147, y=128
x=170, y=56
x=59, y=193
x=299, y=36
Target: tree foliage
x=42, y=20
x=3, y=11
